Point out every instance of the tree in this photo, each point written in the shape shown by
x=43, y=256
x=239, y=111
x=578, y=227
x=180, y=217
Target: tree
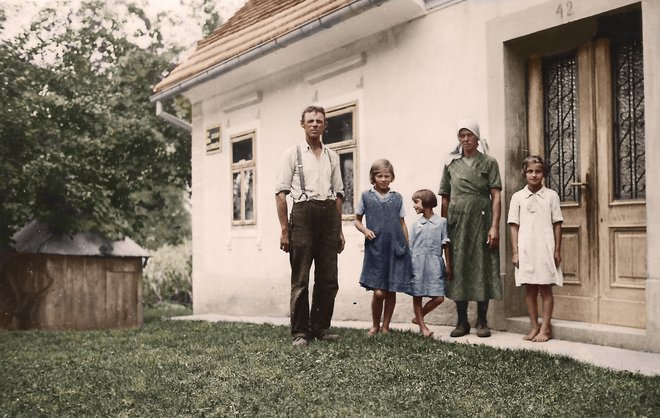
x=19, y=80
x=204, y=11
x=80, y=145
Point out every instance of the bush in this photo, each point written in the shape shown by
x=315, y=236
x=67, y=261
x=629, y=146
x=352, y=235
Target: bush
x=168, y=275
x=165, y=310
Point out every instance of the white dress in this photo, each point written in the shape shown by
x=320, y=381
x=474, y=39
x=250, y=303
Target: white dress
x=535, y=214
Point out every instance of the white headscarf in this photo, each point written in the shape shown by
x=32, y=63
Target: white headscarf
x=473, y=126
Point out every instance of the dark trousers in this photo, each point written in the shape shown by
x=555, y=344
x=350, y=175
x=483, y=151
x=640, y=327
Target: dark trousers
x=314, y=230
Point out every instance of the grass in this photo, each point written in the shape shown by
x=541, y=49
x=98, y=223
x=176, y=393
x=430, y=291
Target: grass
x=181, y=368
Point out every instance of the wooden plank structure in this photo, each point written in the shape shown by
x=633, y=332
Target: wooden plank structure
x=79, y=282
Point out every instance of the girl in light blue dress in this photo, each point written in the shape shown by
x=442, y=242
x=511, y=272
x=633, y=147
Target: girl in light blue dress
x=428, y=241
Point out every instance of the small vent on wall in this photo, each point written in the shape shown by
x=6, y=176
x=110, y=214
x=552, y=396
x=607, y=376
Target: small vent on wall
x=214, y=139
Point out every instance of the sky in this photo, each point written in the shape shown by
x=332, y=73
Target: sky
x=21, y=12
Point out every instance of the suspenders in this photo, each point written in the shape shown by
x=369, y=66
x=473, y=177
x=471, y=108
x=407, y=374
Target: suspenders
x=302, y=175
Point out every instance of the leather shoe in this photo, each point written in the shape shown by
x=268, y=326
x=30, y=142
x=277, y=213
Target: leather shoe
x=328, y=337
x=300, y=342
x=460, y=330
x=483, y=331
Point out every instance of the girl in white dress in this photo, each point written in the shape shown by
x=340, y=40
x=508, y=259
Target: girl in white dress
x=535, y=219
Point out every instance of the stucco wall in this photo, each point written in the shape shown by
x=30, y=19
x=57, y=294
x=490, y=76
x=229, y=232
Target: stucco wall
x=416, y=80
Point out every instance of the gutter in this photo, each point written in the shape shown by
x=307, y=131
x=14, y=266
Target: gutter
x=315, y=26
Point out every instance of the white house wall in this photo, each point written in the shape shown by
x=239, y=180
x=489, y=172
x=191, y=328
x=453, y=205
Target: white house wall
x=416, y=80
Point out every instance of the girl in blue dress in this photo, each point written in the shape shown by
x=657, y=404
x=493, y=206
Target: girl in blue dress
x=387, y=263
x=428, y=240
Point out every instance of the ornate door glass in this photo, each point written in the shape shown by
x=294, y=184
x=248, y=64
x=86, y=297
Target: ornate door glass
x=629, y=163
x=560, y=125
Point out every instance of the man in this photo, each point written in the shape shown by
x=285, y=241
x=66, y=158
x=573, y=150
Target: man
x=310, y=172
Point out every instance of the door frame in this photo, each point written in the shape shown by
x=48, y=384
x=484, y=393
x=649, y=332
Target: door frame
x=507, y=48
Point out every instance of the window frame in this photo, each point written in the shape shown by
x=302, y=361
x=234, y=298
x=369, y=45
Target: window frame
x=347, y=146
x=241, y=167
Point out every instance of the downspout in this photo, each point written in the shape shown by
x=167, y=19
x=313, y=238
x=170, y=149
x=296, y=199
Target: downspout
x=317, y=25
x=168, y=117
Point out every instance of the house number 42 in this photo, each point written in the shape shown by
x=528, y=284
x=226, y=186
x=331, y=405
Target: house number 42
x=565, y=9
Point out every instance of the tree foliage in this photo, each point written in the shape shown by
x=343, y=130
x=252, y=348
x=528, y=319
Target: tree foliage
x=204, y=11
x=80, y=145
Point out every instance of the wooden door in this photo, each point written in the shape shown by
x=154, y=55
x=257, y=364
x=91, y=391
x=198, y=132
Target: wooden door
x=585, y=116
x=621, y=182
x=561, y=129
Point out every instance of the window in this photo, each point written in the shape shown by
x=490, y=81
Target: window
x=340, y=135
x=243, y=171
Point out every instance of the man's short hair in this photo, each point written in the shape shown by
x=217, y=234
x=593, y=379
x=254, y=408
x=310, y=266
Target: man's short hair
x=312, y=109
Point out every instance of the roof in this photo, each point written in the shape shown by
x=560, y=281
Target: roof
x=37, y=238
x=256, y=23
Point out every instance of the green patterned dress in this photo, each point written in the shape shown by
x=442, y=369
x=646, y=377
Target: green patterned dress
x=476, y=269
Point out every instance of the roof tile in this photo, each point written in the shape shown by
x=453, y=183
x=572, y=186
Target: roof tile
x=257, y=22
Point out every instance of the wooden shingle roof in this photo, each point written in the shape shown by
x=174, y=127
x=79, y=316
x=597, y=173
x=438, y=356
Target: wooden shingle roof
x=256, y=23
x=38, y=238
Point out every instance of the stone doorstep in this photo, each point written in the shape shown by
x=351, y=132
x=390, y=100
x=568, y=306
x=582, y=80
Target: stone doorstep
x=583, y=332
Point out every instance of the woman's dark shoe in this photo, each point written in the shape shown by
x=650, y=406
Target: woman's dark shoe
x=460, y=330
x=482, y=330
x=482, y=321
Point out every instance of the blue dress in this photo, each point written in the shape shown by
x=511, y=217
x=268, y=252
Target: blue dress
x=387, y=263
x=426, y=239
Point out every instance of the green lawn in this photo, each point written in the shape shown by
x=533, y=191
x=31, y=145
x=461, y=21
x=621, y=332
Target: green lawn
x=181, y=368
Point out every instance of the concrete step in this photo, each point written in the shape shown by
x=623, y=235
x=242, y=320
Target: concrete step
x=599, y=334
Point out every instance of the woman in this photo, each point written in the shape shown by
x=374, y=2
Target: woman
x=470, y=190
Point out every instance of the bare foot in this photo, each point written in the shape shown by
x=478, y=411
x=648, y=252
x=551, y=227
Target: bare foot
x=426, y=332
x=385, y=330
x=373, y=331
x=543, y=336
x=532, y=333
x=414, y=321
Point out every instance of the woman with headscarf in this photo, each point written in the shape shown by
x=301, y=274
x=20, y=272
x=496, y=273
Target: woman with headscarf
x=471, y=201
